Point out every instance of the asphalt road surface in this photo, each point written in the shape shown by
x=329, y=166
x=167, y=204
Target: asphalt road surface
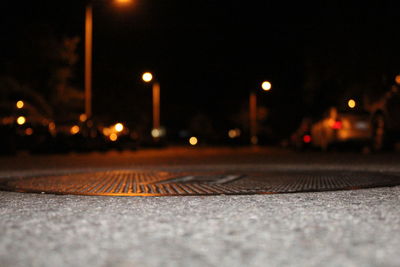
x=336, y=228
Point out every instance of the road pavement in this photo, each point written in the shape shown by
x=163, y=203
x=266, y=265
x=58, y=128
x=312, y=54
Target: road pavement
x=339, y=228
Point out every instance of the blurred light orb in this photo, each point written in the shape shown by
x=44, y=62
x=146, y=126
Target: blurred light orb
x=351, y=103
x=156, y=133
x=254, y=140
x=20, y=104
x=113, y=137
x=75, y=129
x=52, y=126
x=307, y=138
x=397, y=79
x=21, y=120
x=106, y=131
x=266, y=86
x=147, y=77
x=28, y=131
x=193, y=141
x=119, y=127
x=83, y=117
x=123, y=1
x=234, y=133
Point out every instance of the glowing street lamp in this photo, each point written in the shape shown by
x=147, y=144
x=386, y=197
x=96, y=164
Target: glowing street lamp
x=21, y=120
x=148, y=77
x=266, y=86
x=119, y=127
x=88, y=54
x=351, y=103
x=20, y=104
x=193, y=140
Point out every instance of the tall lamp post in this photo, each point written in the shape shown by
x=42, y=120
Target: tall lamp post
x=266, y=86
x=88, y=59
x=156, y=131
x=89, y=53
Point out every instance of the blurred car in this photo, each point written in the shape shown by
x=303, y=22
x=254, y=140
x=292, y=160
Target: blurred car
x=338, y=126
x=301, y=138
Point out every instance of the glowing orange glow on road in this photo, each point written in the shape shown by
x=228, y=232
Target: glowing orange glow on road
x=20, y=104
x=83, y=117
x=21, y=120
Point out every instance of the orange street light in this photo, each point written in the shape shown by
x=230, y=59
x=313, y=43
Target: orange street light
x=266, y=86
x=20, y=104
x=351, y=103
x=88, y=55
x=21, y=120
x=148, y=77
x=119, y=127
x=193, y=140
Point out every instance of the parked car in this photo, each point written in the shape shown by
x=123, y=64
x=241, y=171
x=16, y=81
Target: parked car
x=341, y=126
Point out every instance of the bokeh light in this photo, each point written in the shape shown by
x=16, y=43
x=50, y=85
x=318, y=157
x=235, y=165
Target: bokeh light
x=21, y=120
x=74, y=129
x=147, y=77
x=113, y=137
x=20, y=104
x=28, y=131
x=351, y=103
x=193, y=141
x=83, y=117
x=119, y=127
x=266, y=86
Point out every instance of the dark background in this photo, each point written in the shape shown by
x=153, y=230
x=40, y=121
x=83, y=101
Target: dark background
x=208, y=55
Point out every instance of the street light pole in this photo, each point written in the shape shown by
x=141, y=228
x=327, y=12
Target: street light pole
x=253, y=118
x=156, y=105
x=88, y=55
x=266, y=86
x=88, y=59
x=156, y=131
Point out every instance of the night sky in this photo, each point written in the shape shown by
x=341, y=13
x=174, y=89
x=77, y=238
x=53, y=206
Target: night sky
x=208, y=55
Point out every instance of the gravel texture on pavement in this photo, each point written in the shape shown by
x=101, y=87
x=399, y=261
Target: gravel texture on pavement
x=341, y=228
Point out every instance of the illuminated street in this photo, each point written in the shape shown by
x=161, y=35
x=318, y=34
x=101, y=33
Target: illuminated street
x=199, y=133
x=352, y=227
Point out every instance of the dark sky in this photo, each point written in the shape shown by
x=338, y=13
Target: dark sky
x=208, y=54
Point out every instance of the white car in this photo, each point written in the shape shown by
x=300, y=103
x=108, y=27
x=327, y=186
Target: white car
x=341, y=126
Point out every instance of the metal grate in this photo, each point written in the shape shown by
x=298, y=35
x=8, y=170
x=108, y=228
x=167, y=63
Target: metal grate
x=152, y=183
